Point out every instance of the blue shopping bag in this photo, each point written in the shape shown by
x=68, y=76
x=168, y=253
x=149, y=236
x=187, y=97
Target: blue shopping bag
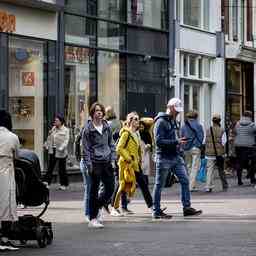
x=201, y=175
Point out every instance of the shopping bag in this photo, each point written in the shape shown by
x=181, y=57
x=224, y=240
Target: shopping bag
x=201, y=175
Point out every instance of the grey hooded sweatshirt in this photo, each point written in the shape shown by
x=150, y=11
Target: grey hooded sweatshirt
x=245, y=131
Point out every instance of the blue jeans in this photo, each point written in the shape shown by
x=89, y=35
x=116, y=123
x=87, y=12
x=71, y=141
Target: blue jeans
x=178, y=167
x=87, y=186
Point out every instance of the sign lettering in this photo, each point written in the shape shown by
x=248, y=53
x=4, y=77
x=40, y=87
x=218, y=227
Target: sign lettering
x=7, y=22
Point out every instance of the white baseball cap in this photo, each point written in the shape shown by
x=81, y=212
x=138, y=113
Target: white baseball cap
x=176, y=103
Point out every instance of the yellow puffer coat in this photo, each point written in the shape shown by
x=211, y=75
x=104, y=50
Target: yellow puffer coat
x=128, y=148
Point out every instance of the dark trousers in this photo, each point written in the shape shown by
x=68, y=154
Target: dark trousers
x=101, y=172
x=245, y=160
x=61, y=169
x=142, y=183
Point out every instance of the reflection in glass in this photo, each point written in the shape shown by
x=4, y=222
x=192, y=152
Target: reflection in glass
x=192, y=12
x=112, y=9
x=150, y=13
x=80, y=78
x=110, y=35
x=81, y=6
x=80, y=30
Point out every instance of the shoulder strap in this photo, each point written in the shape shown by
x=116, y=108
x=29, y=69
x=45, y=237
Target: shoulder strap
x=213, y=141
x=193, y=130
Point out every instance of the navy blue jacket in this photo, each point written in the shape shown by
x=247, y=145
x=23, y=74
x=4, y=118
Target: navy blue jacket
x=165, y=137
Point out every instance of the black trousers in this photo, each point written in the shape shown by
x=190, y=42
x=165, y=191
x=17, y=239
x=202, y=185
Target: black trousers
x=143, y=185
x=245, y=160
x=61, y=169
x=101, y=172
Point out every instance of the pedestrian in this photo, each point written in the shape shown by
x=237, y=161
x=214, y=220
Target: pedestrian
x=99, y=157
x=215, y=150
x=168, y=159
x=244, y=142
x=193, y=131
x=57, y=146
x=129, y=150
x=9, y=144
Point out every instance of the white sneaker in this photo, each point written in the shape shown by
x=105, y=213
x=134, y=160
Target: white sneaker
x=63, y=188
x=95, y=224
x=87, y=219
x=100, y=215
x=46, y=184
x=115, y=213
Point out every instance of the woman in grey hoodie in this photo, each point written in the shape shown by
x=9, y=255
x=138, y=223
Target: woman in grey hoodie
x=244, y=131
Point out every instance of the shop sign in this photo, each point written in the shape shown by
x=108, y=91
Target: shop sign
x=79, y=55
x=7, y=22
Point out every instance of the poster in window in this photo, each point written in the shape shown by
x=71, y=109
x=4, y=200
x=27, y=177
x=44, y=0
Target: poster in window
x=28, y=78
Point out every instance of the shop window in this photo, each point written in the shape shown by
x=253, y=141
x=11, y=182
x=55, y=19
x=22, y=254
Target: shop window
x=26, y=92
x=196, y=13
x=147, y=42
x=79, y=91
x=150, y=13
x=112, y=9
x=109, y=77
x=82, y=7
x=80, y=30
x=111, y=35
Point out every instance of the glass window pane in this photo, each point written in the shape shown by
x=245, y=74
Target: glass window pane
x=234, y=77
x=234, y=107
x=147, y=42
x=185, y=65
x=206, y=14
x=82, y=7
x=186, y=99
x=112, y=9
x=235, y=19
x=150, y=13
x=192, y=65
x=80, y=30
x=109, y=79
x=192, y=12
x=207, y=67
x=196, y=98
x=200, y=68
x=111, y=35
x=26, y=92
x=79, y=90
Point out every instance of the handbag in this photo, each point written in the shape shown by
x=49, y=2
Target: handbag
x=170, y=179
x=202, y=147
x=201, y=175
x=219, y=159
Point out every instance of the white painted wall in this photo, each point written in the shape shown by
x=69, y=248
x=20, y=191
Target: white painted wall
x=33, y=22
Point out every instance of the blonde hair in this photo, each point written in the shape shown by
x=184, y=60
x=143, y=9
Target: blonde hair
x=130, y=116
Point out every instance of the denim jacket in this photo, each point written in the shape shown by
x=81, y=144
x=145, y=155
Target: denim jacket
x=165, y=137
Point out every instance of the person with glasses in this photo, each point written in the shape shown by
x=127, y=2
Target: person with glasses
x=129, y=150
x=99, y=159
x=169, y=159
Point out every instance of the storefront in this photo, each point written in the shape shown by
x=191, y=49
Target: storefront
x=28, y=71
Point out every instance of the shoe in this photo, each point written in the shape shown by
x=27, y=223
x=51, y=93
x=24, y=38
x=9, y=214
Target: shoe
x=116, y=213
x=3, y=248
x=126, y=211
x=46, y=184
x=63, y=188
x=208, y=190
x=95, y=224
x=87, y=219
x=100, y=215
x=189, y=211
x=161, y=215
x=9, y=246
x=240, y=183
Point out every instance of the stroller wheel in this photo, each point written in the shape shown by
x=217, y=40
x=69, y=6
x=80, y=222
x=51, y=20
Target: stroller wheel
x=41, y=236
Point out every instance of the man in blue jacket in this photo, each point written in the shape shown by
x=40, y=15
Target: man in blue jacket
x=168, y=159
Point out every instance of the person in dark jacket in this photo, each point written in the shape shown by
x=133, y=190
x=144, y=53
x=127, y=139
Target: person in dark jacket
x=168, y=159
x=99, y=158
x=244, y=132
x=193, y=131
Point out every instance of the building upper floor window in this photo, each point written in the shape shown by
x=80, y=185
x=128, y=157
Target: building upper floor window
x=82, y=7
x=150, y=13
x=196, y=13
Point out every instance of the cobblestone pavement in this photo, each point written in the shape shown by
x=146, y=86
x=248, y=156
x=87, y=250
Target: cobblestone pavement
x=227, y=226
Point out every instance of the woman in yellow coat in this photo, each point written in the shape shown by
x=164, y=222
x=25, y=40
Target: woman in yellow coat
x=128, y=148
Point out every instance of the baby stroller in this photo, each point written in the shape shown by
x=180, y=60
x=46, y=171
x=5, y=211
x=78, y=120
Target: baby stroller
x=30, y=192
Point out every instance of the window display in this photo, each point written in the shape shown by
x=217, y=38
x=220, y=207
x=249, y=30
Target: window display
x=26, y=92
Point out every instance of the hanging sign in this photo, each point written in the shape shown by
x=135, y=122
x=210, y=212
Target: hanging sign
x=7, y=22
